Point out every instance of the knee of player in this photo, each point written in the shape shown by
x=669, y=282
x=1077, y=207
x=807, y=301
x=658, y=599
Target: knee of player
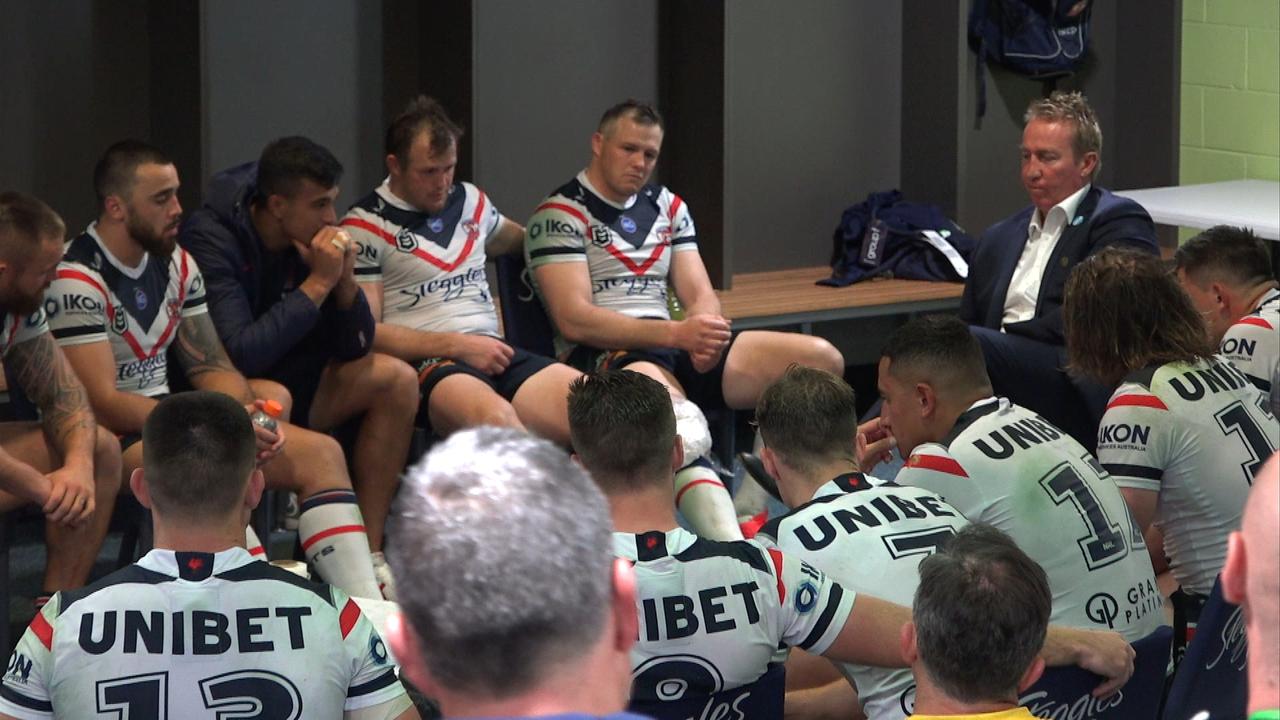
x=824, y=356
x=106, y=458
x=271, y=390
x=502, y=415
x=399, y=380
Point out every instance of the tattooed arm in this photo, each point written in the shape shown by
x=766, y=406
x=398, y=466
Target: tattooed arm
x=69, y=428
x=201, y=354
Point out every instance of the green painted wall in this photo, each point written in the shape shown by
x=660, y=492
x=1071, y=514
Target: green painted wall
x=1230, y=90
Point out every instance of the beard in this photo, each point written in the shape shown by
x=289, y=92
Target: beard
x=151, y=241
x=12, y=300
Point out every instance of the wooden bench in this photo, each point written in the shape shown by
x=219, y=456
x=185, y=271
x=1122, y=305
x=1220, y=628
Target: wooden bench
x=791, y=297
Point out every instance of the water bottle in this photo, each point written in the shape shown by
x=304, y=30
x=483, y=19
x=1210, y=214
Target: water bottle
x=267, y=415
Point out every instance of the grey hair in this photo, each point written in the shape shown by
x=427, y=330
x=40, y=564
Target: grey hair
x=1072, y=107
x=981, y=612
x=501, y=547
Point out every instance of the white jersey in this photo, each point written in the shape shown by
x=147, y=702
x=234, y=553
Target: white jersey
x=1252, y=343
x=869, y=539
x=627, y=248
x=16, y=329
x=713, y=615
x=1196, y=434
x=96, y=298
x=198, y=636
x=1005, y=465
x=431, y=266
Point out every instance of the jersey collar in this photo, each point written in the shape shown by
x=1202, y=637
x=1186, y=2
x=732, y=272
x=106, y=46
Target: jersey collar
x=168, y=562
x=642, y=546
x=586, y=184
x=133, y=273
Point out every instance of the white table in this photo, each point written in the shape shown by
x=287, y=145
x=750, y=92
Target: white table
x=1248, y=203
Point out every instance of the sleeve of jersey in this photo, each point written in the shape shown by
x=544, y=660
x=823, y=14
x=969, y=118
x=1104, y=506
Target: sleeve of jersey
x=369, y=245
x=373, y=678
x=556, y=233
x=1246, y=344
x=24, y=689
x=933, y=468
x=77, y=306
x=1132, y=439
x=32, y=326
x=492, y=219
x=814, y=608
x=683, y=235
x=193, y=303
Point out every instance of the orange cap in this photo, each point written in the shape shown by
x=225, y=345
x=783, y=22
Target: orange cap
x=272, y=408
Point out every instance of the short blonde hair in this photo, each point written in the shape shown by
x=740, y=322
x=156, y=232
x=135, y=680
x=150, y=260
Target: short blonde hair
x=1071, y=107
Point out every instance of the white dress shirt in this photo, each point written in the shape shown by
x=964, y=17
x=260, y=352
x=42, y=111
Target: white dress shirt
x=1042, y=238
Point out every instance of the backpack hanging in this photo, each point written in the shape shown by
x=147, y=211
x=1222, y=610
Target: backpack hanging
x=1041, y=39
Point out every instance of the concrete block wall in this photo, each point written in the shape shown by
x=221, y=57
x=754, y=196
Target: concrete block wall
x=1230, y=90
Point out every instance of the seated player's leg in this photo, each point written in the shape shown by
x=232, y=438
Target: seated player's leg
x=460, y=400
x=757, y=358
x=272, y=390
x=71, y=551
x=385, y=391
x=542, y=402
x=330, y=527
x=699, y=494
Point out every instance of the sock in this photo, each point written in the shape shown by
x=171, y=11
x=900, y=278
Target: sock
x=751, y=499
x=705, y=503
x=253, y=544
x=333, y=539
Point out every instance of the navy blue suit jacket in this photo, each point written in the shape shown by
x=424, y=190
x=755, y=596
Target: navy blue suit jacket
x=1102, y=220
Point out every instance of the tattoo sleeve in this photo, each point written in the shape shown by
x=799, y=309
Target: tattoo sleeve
x=48, y=380
x=205, y=360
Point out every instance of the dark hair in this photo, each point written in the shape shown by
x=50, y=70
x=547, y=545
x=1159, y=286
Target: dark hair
x=26, y=221
x=640, y=113
x=116, y=171
x=1124, y=311
x=807, y=417
x=622, y=426
x=981, y=612
x=941, y=349
x=198, y=450
x=501, y=546
x=286, y=162
x=422, y=114
x=1226, y=253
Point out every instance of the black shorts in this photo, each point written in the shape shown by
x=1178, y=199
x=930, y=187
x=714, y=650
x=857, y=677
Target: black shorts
x=706, y=390
x=128, y=440
x=523, y=366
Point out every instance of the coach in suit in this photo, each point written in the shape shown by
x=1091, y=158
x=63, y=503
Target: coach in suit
x=1013, y=296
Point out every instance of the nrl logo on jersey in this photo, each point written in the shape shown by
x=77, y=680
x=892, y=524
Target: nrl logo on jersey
x=600, y=236
x=405, y=241
x=119, y=321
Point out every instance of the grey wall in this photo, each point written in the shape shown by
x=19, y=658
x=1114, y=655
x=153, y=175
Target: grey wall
x=813, y=97
x=73, y=78
x=293, y=67
x=543, y=73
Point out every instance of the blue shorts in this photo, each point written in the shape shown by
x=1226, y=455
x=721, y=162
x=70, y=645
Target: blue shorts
x=523, y=366
x=706, y=390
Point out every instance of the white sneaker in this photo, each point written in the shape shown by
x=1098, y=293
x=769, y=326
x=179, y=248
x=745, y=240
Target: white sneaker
x=382, y=572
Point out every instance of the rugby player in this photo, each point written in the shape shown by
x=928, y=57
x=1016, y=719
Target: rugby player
x=512, y=603
x=281, y=290
x=1185, y=432
x=422, y=242
x=65, y=464
x=999, y=463
x=713, y=615
x=198, y=627
x=1227, y=272
x=606, y=250
x=868, y=536
x=125, y=294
